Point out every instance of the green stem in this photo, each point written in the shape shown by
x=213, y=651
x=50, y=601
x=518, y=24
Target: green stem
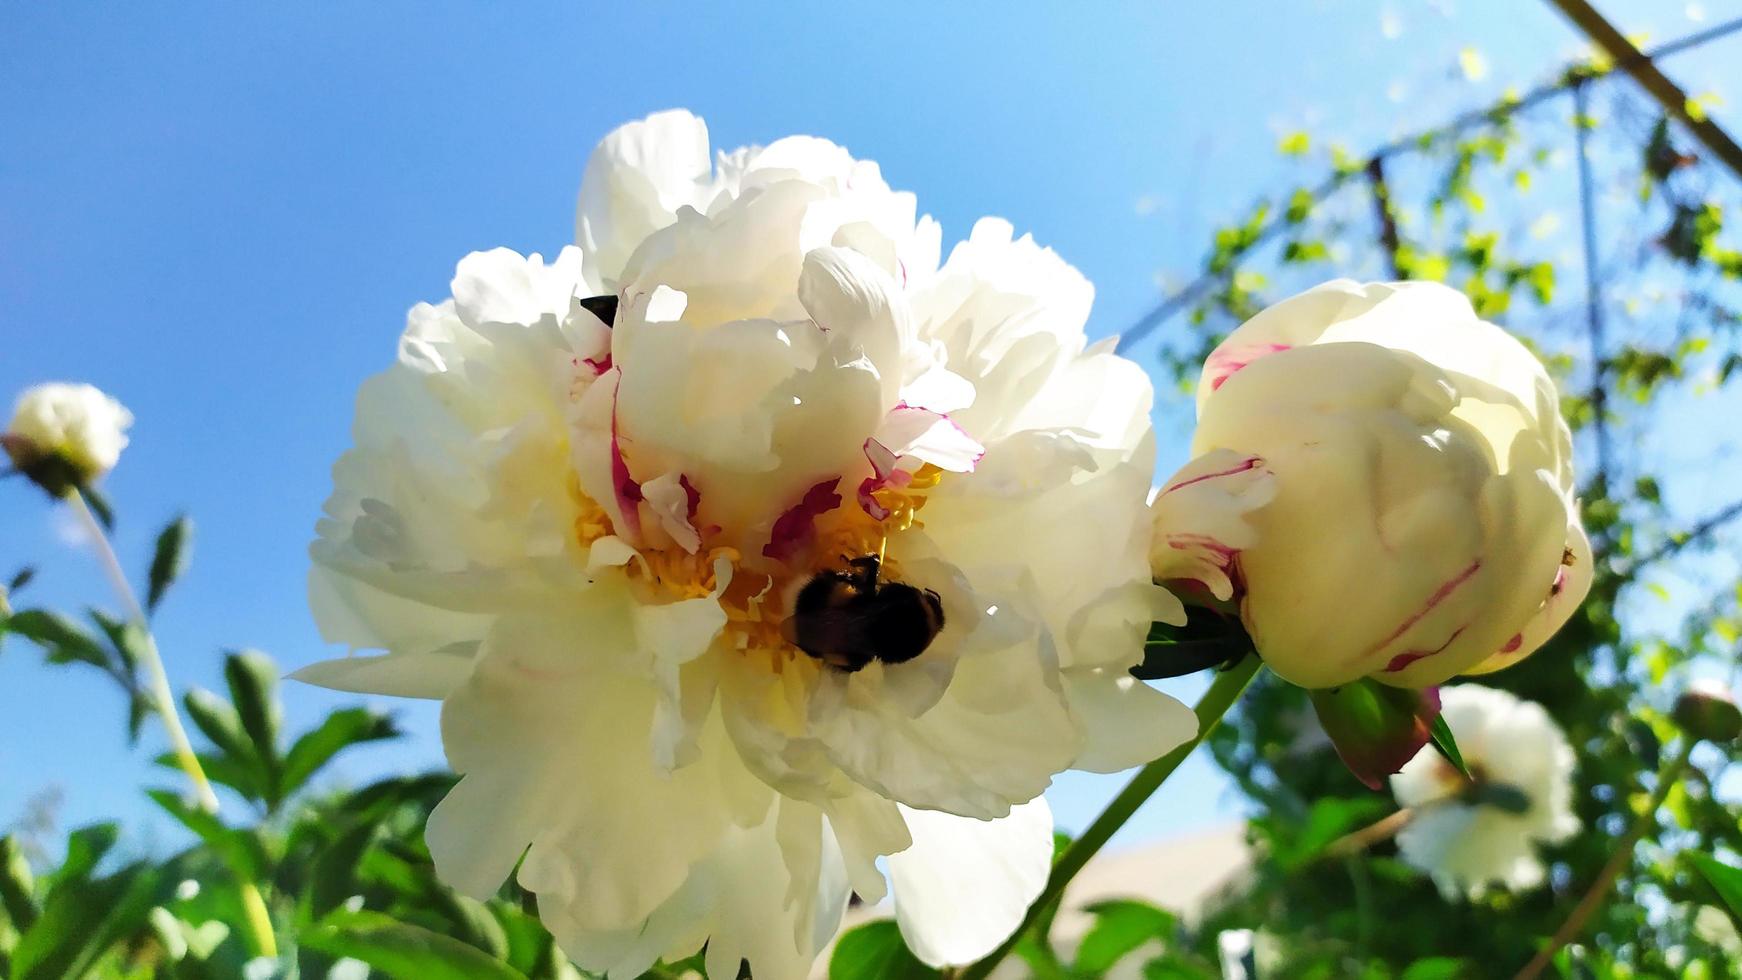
x=163, y=699
x=1667, y=778
x=1223, y=692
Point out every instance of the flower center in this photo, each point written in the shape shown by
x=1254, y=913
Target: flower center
x=758, y=597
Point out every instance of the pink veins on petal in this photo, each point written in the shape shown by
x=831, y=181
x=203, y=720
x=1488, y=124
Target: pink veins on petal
x=1440, y=595
x=623, y=486
x=1245, y=465
x=883, y=474
x=1224, y=364
x=1408, y=657
x=798, y=525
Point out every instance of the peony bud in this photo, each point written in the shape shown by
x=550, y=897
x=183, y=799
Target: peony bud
x=65, y=436
x=1706, y=710
x=1376, y=729
x=1423, y=523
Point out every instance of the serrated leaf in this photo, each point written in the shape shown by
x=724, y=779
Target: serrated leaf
x=875, y=951
x=169, y=561
x=1121, y=925
x=337, y=732
x=404, y=951
x=1440, y=737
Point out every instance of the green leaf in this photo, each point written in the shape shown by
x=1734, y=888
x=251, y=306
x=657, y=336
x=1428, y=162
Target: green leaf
x=1724, y=879
x=403, y=951
x=16, y=885
x=253, y=680
x=81, y=918
x=338, y=731
x=241, y=850
x=61, y=638
x=1440, y=737
x=85, y=847
x=170, y=559
x=221, y=769
x=1121, y=925
x=875, y=951
x=333, y=875
x=1326, y=822
x=100, y=507
x=1436, y=968
x=219, y=721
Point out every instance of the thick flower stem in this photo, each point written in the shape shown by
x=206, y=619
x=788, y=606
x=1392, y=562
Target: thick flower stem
x=1667, y=778
x=1223, y=692
x=163, y=700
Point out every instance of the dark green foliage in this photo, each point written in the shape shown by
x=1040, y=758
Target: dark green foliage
x=874, y=951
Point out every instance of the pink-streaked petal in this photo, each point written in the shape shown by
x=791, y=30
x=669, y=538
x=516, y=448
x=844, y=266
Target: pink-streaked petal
x=1441, y=594
x=883, y=474
x=1225, y=362
x=623, y=486
x=930, y=437
x=797, y=526
x=1200, y=517
x=1572, y=582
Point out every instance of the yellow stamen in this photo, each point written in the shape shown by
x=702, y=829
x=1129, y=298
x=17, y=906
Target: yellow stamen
x=755, y=597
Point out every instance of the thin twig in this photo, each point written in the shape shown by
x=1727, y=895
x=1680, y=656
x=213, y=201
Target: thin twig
x=1644, y=70
x=1599, y=393
x=1676, y=544
x=1487, y=115
x=1383, y=213
x=1618, y=861
x=158, y=681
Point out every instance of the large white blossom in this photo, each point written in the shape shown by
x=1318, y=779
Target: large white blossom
x=584, y=536
x=1515, y=749
x=66, y=434
x=1421, y=521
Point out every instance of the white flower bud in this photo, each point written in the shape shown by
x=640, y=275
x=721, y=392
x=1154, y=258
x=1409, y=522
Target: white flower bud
x=1423, y=523
x=66, y=435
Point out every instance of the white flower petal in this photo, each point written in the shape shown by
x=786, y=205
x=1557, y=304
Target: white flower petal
x=965, y=884
x=1127, y=722
x=635, y=182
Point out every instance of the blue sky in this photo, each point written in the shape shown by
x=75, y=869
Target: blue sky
x=220, y=213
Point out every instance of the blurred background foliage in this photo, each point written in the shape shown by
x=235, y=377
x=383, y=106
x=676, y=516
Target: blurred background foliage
x=1634, y=303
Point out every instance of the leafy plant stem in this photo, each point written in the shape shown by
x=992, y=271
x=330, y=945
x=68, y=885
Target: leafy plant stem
x=1593, y=899
x=1223, y=692
x=163, y=699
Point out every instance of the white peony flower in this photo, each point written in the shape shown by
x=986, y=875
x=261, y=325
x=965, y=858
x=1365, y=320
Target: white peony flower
x=66, y=435
x=1514, y=750
x=1423, y=523
x=585, y=501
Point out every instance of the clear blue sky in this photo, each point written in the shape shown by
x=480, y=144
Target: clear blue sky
x=220, y=213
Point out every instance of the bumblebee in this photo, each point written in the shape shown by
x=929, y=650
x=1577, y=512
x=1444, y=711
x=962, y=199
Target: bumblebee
x=603, y=307
x=849, y=618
